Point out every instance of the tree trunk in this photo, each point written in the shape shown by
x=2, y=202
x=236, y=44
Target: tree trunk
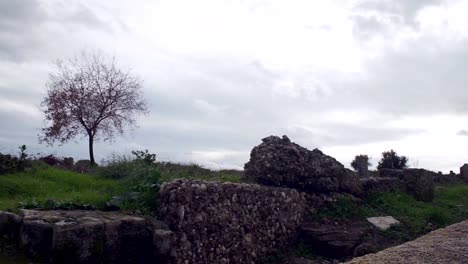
x=91, y=150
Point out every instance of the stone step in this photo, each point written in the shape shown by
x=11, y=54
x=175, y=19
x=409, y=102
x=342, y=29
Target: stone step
x=86, y=237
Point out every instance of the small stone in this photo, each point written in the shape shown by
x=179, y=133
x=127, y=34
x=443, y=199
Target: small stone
x=383, y=222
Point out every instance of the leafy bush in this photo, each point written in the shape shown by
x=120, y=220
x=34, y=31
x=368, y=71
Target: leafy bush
x=51, y=160
x=11, y=164
x=391, y=160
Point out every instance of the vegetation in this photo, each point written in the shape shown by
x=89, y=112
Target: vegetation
x=450, y=205
x=10, y=163
x=42, y=186
x=128, y=182
x=361, y=165
x=391, y=160
x=91, y=96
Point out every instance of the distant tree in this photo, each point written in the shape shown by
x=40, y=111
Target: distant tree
x=89, y=95
x=361, y=165
x=391, y=160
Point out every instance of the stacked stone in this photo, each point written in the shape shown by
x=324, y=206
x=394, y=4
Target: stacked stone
x=219, y=222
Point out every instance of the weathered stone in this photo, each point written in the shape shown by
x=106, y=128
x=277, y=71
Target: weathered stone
x=280, y=162
x=446, y=245
x=332, y=239
x=374, y=185
x=228, y=222
x=419, y=183
x=464, y=172
x=9, y=225
x=86, y=237
x=383, y=222
x=416, y=182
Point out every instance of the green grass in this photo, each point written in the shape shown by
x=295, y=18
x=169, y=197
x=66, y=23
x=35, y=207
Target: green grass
x=41, y=185
x=450, y=205
x=172, y=171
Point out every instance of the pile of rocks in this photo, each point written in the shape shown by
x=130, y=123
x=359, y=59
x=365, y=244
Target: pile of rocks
x=280, y=162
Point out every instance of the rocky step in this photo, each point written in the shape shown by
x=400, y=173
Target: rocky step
x=446, y=245
x=87, y=237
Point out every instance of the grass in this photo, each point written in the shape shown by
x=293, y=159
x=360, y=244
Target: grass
x=450, y=205
x=40, y=185
x=51, y=187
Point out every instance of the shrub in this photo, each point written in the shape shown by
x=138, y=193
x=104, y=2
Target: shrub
x=391, y=160
x=84, y=166
x=51, y=160
x=11, y=164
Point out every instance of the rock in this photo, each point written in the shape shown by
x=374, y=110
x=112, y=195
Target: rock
x=334, y=240
x=219, y=222
x=9, y=225
x=464, y=172
x=280, y=162
x=383, y=222
x=419, y=183
x=446, y=245
x=374, y=185
x=88, y=237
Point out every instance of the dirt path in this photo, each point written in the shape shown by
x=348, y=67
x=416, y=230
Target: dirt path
x=446, y=245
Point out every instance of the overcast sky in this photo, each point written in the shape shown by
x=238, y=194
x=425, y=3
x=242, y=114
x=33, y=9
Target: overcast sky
x=348, y=77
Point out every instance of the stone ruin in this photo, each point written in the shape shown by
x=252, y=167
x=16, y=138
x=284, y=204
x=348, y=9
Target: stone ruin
x=215, y=222
x=464, y=172
x=280, y=162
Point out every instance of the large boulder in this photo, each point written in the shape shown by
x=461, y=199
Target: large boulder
x=280, y=162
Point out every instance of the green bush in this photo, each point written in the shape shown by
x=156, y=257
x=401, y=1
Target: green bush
x=11, y=164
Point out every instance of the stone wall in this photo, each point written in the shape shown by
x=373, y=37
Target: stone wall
x=219, y=222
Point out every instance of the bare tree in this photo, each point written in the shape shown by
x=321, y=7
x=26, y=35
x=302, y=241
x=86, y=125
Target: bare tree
x=89, y=95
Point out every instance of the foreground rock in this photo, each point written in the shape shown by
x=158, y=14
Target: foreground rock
x=87, y=237
x=219, y=222
x=280, y=162
x=446, y=245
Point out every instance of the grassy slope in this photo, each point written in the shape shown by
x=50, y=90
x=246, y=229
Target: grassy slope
x=43, y=184
x=450, y=205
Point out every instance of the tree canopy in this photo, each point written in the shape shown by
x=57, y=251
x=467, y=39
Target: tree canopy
x=89, y=95
x=391, y=160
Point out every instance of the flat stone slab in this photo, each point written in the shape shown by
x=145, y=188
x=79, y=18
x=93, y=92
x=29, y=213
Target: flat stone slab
x=445, y=245
x=383, y=222
x=59, y=236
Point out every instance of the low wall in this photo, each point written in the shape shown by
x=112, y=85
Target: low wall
x=219, y=222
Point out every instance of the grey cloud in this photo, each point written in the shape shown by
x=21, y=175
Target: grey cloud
x=23, y=31
x=462, y=132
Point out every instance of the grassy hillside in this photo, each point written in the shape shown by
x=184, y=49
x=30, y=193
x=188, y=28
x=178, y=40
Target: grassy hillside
x=40, y=185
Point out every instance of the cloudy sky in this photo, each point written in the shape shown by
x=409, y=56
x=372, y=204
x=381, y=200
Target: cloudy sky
x=348, y=77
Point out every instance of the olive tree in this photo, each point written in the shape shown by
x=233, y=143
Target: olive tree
x=90, y=96
x=361, y=165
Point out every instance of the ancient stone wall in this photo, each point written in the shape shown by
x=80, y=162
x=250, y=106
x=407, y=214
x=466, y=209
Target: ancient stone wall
x=219, y=222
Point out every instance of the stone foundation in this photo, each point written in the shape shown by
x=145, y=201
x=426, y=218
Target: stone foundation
x=230, y=223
